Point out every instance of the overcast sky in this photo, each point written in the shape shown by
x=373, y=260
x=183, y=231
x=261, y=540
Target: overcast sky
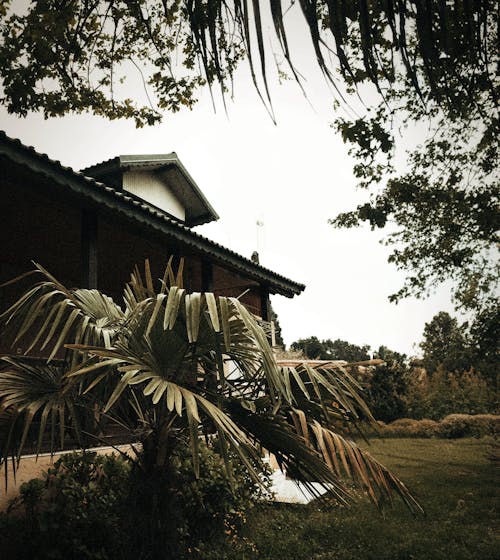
x=291, y=178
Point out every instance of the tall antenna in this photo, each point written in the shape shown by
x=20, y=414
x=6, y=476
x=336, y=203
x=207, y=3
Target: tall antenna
x=259, y=224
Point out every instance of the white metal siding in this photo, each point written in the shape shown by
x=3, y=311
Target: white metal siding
x=152, y=189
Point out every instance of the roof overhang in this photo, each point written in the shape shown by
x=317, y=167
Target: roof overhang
x=170, y=170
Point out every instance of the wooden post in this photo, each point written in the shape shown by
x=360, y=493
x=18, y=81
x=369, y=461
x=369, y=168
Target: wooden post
x=265, y=312
x=207, y=276
x=88, y=261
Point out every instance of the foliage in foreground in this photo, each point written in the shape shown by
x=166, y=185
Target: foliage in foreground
x=455, y=481
x=73, y=57
x=74, y=511
x=86, y=506
x=158, y=373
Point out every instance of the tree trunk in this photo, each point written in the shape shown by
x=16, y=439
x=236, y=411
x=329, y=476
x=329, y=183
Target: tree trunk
x=155, y=513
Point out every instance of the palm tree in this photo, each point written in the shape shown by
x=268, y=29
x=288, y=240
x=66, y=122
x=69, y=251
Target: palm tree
x=172, y=366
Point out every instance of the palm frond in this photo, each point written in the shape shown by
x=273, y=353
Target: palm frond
x=60, y=315
x=157, y=369
x=37, y=394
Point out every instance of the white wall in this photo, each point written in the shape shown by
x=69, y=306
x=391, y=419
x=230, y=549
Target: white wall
x=151, y=188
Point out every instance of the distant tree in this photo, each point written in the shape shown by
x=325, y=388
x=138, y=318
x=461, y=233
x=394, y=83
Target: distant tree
x=484, y=342
x=442, y=393
x=277, y=327
x=388, y=385
x=343, y=350
x=386, y=391
x=444, y=343
x=316, y=349
x=313, y=348
x=390, y=356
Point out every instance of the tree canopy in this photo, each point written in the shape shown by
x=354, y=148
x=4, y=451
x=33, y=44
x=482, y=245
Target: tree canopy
x=457, y=348
x=444, y=344
x=316, y=349
x=433, y=65
x=66, y=56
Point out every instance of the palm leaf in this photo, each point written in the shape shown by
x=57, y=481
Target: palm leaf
x=74, y=315
x=36, y=393
x=359, y=466
x=157, y=369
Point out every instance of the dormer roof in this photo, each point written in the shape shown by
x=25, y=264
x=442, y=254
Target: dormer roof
x=166, y=168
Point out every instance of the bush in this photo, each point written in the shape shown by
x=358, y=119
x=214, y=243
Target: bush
x=464, y=425
x=442, y=393
x=213, y=512
x=75, y=510
x=86, y=507
x=408, y=427
x=453, y=426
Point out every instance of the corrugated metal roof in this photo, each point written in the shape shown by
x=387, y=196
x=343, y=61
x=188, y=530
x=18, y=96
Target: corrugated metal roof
x=141, y=212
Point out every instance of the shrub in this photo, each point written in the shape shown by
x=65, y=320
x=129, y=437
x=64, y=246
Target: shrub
x=86, y=507
x=453, y=426
x=442, y=393
x=408, y=427
x=465, y=425
x=214, y=510
x=73, y=511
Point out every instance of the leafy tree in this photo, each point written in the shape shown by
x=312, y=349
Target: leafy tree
x=433, y=65
x=484, y=343
x=277, y=327
x=315, y=349
x=343, y=350
x=386, y=392
x=388, y=385
x=441, y=203
x=442, y=393
x=390, y=356
x=155, y=371
x=444, y=343
x=78, y=48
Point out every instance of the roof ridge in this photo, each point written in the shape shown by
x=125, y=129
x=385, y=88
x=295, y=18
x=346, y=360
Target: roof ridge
x=120, y=158
x=97, y=165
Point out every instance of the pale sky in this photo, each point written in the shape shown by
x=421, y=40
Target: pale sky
x=292, y=178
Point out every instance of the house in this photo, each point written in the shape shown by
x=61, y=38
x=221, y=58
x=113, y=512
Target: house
x=90, y=228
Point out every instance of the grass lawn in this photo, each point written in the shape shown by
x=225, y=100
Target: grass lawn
x=453, y=480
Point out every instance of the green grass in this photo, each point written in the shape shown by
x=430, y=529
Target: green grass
x=453, y=480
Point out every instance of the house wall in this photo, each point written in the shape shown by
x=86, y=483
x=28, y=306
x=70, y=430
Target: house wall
x=151, y=188
x=34, y=228
x=39, y=224
x=231, y=284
